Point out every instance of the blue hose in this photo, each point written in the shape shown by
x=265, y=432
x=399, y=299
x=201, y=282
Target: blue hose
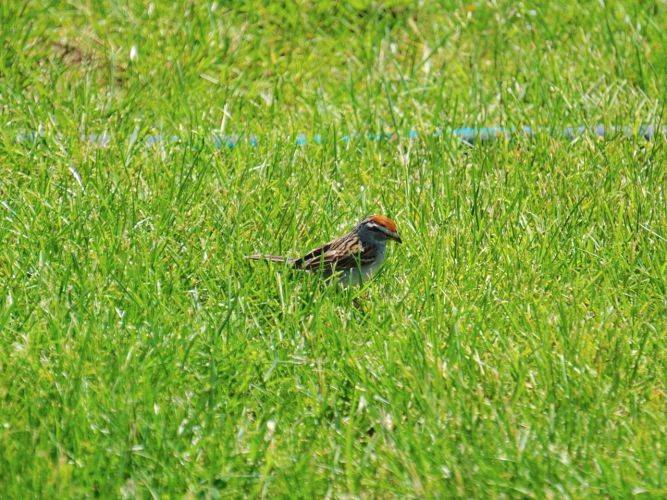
x=468, y=135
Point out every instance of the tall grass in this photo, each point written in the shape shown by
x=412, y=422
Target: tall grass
x=512, y=346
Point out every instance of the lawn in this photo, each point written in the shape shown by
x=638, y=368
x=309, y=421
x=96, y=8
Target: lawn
x=512, y=346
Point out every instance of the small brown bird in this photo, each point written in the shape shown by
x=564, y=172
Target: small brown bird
x=354, y=257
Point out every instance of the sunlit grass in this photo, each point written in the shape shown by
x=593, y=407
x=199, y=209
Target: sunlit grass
x=513, y=345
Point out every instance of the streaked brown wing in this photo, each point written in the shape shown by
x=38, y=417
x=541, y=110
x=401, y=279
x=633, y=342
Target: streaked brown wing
x=342, y=254
x=313, y=254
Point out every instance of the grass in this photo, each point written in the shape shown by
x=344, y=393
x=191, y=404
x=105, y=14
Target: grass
x=513, y=346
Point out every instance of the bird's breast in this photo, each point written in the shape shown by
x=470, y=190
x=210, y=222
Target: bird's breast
x=364, y=272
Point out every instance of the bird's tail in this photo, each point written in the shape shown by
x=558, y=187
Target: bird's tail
x=271, y=258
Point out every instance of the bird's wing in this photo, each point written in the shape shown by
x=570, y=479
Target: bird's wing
x=315, y=254
x=338, y=255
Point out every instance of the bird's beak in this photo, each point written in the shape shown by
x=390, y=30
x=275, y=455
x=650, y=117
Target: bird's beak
x=397, y=238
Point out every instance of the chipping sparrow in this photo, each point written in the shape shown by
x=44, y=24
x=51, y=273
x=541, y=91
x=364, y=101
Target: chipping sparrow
x=354, y=257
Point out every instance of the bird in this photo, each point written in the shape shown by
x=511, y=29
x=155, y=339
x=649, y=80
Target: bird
x=353, y=258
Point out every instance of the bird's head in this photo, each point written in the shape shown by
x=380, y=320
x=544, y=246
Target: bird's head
x=378, y=228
